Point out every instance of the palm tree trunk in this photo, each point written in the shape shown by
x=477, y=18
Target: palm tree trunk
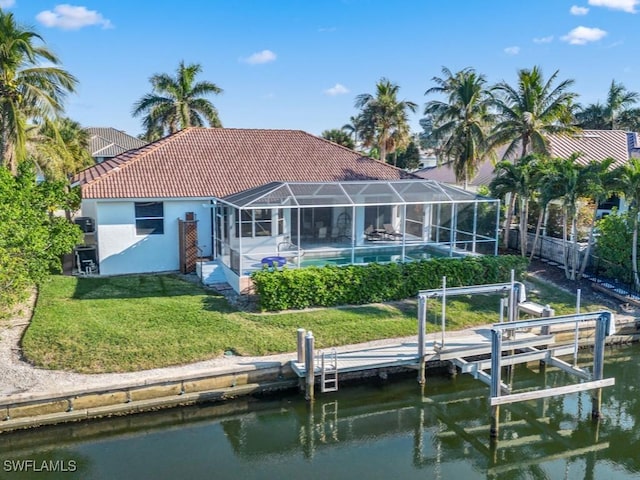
x=383, y=149
x=523, y=226
x=536, y=238
x=564, y=242
x=587, y=252
x=507, y=221
x=574, y=246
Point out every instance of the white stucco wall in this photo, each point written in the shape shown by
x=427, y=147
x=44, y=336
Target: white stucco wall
x=121, y=250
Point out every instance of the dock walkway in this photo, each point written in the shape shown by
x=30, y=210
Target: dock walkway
x=405, y=353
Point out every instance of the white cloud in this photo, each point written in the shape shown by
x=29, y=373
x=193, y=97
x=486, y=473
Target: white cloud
x=547, y=39
x=512, y=50
x=576, y=10
x=583, y=35
x=71, y=17
x=337, y=89
x=7, y=3
x=628, y=6
x=265, y=56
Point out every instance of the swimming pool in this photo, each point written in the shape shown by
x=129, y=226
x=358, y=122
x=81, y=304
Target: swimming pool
x=372, y=257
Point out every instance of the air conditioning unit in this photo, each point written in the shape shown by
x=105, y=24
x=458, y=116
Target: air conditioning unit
x=86, y=224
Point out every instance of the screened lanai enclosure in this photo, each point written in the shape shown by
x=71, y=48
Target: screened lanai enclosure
x=303, y=224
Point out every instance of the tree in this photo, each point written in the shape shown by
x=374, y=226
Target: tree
x=531, y=111
x=353, y=128
x=543, y=193
x=615, y=113
x=613, y=248
x=461, y=123
x=515, y=180
x=31, y=238
x=60, y=148
x=177, y=102
x=599, y=185
x=629, y=185
x=592, y=117
x=338, y=136
x=568, y=180
x=28, y=90
x=383, y=120
x=409, y=158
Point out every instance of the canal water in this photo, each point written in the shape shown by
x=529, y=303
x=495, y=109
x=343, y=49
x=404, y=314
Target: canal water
x=379, y=430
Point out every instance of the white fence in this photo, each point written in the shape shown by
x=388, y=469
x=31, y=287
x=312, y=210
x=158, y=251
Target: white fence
x=548, y=248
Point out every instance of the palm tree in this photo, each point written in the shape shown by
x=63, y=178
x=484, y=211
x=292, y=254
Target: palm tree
x=593, y=117
x=599, y=184
x=177, y=102
x=569, y=180
x=383, y=118
x=543, y=193
x=532, y=111
x=614, y=114
x=629, y=185
x=515, y=180
x=60, y=148
x=338, y=136
x=618, y=100
x=353, y=128
x=28, y=90
x=461, y=123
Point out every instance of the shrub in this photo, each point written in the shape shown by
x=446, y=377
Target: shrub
x=613, y=249
x=283, y=289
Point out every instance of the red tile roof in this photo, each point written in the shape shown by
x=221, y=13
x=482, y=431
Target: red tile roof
x=216, y=162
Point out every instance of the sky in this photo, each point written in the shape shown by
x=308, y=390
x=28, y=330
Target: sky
x=299, y=64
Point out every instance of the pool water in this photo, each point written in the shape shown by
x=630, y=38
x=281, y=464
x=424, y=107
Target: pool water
x=318, y=261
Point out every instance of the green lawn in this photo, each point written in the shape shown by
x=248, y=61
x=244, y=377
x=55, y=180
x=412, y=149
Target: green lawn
x=138, y=322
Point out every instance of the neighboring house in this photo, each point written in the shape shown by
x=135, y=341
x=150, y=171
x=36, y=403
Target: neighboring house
x=258, y=194
x=107, y=142
x=590, y=144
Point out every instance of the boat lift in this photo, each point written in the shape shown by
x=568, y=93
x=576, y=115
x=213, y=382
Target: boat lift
x=523, y=351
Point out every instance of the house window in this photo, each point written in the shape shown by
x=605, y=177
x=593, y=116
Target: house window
x=149, y=218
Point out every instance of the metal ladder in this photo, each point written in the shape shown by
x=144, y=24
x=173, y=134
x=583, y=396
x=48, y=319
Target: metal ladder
x=329, y=371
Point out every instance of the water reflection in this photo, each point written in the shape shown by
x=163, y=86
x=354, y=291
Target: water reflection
x=386, y=430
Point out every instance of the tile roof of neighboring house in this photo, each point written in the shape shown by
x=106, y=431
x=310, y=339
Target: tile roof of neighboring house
x=591, y=144
x=109, y=142
x=216, y=162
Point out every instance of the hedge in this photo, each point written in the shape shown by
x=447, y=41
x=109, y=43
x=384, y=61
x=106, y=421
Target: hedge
x=284, y=289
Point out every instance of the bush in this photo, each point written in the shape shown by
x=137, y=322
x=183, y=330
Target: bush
x=284, y=289
x=32, y=239
x=613, y=249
